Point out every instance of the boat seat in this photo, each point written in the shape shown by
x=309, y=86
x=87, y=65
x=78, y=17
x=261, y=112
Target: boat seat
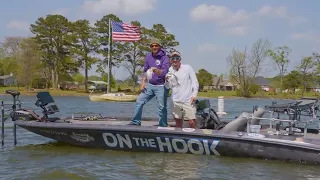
x=13, y=93
x=46, y=102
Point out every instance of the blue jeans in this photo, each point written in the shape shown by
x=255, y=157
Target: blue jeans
x=161, y=93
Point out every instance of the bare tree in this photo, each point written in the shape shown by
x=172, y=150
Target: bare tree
x=244, y=66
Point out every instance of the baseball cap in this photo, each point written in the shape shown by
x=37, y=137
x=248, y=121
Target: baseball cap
x=155, y=41
x=177, y=53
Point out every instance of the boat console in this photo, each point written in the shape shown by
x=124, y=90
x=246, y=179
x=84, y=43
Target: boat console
x=209, y=117
x=46, y=102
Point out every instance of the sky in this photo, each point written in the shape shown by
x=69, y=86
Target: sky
x=207, y=30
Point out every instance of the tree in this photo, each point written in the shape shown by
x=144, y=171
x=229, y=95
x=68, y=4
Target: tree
x=28, y=58
x=280, y=58
x=316, y=57
x=244, y=66
x=204, y=78
x=11, y=48
x=102, y=31
x=135, y=52
x=53, y=35
x=293, y=80
x=306, y=67
x=167, y=40
x=84, y=45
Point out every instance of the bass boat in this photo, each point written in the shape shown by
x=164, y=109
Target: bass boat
x=249, y=135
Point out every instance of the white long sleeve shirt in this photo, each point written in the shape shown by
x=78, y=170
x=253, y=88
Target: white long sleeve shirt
x=184, y=83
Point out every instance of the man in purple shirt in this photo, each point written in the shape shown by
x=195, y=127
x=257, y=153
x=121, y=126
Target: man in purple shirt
x=159, y=62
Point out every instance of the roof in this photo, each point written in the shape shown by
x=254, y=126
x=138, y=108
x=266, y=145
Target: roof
x=225, y=82
x=215, y=80
x=259, y=80
x=98, y=82
x=5, y=76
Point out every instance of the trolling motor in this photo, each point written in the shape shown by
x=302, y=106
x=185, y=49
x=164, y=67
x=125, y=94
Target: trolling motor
x=210, y=119
x=15, y=94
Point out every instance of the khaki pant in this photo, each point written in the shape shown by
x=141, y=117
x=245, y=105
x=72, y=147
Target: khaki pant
x=187, y=111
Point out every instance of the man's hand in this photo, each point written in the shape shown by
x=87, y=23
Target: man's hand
x=156, y=70
x=193, y=100
x=143, y=85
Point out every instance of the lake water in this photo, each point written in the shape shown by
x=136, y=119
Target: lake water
x=36, y=157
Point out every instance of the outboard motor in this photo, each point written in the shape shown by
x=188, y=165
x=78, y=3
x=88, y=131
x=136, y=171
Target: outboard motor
x=209, y=119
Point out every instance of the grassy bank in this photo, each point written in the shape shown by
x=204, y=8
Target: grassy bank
x=210, y=94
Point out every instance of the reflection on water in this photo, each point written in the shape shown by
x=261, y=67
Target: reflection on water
x=36, y=157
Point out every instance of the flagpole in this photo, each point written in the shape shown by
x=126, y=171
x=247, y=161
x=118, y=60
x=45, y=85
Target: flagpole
x=109, y=51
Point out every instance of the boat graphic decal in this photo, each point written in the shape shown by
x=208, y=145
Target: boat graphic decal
x=162, y=144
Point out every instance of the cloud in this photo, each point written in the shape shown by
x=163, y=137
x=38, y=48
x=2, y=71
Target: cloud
x=281, y=12
x=221, y=15
x=306, y=36
x=126, y=7
x=239, y=22
x=206, y=47
x=18, y=25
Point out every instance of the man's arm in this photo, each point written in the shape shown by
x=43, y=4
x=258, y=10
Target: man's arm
x=164, y=68
x=194, y=82
x=167, y=83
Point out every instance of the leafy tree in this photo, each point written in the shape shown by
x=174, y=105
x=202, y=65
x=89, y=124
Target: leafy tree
x=280, y=58
x=53, y=35
x=28, y=62
x=134, y=54
x=84, y=45
x=293, y=80
x=204, y=78
x=113, y=82
x=136, y=51
x=167, y=40
x=102, y=31
x=306, y=68
x=78, y=77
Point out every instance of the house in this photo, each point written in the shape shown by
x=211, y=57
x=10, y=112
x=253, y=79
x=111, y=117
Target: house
x=226, y=85
x=7, y=80
x=262, y=82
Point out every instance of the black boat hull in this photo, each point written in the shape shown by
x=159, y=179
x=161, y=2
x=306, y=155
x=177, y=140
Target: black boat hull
x=172, y=140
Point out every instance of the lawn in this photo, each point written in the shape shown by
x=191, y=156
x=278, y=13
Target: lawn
x=209, y=94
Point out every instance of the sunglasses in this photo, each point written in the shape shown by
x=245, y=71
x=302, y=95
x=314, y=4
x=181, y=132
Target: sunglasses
x=156, y=45
x=175, y=58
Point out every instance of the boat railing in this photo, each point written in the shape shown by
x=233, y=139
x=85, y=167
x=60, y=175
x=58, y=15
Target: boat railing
x=271, y=119
x=8, y=110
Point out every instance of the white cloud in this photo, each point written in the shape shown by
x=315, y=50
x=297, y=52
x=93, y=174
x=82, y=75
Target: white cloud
x=126, y=7
x=237, y=22
x=19, y=25
x=281, y=12
x=221, y=15
x=206, y=47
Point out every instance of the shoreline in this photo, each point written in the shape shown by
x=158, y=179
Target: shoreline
x=77, y=94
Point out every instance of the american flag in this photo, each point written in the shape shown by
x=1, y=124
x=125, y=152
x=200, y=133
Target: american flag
x=125, y=32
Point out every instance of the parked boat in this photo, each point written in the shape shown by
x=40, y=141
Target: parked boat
x=118, y=97
x=245, y=136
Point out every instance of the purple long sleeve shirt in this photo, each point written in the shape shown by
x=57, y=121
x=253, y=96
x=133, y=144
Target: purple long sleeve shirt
x=160, y=61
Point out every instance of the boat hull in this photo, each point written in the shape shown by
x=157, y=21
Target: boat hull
x=172, y=140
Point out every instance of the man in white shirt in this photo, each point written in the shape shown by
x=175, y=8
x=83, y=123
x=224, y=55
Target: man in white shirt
x=183, y=81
